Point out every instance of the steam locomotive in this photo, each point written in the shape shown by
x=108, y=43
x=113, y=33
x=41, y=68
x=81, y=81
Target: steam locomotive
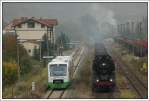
x=103, y=70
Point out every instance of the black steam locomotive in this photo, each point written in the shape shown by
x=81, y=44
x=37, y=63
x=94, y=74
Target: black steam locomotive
x=103, y=74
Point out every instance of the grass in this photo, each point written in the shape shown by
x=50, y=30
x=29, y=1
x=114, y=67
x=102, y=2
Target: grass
x=139, y=63
x=126, y=94
x=23, y=88
x=124, y=88
x=81, y=86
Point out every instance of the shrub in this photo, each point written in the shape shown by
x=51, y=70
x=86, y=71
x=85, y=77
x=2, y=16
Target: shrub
x=9, y=72
x=25, y=64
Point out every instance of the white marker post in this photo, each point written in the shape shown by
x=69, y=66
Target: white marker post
x=33, y=86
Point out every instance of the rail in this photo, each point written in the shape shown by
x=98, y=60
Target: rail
x=59, y=93
x=135, y=82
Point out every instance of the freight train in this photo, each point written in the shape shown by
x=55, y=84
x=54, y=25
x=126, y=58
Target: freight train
x=103, y=70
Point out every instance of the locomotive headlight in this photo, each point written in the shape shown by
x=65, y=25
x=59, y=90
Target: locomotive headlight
x=103, y=64
x=97, y=80
x=110, y=80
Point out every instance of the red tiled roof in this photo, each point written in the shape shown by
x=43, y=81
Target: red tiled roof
x=47, y=22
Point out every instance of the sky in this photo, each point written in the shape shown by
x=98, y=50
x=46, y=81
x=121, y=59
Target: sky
x=78, y=18
x=55, y=10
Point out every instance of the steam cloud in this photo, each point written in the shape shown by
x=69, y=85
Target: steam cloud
x=88, y=21
x=94, y=23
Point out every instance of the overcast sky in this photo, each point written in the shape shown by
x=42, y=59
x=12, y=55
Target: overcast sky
x=120, y=11
x=92, y=17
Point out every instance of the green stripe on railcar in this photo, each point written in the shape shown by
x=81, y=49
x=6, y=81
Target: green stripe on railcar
x=58, y=85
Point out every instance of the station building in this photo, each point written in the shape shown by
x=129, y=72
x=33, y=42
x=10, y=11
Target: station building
x=30, y=31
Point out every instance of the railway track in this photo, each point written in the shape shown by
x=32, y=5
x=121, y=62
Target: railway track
x=57, y=94
x=139, y=87
x=107, y=95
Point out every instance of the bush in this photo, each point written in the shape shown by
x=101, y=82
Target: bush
x=9, y=72
x=25, y=64
x=63, y=39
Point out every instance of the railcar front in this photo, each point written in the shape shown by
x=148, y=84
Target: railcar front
x=58, y=76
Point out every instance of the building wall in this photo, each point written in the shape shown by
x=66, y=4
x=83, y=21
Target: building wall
x=30, y=47
x=35, y=33
x=31, y=33
x=24, y=26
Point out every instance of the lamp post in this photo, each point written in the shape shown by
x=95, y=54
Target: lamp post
x=18, y=61
x=18, y=66
x=40, y=50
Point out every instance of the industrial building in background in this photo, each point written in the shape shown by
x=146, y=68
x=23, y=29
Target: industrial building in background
x=134, y=36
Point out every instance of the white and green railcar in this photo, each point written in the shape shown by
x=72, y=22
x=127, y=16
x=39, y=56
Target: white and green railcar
x=60, y=72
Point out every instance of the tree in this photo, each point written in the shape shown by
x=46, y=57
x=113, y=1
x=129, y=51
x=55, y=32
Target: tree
x=47, y=47
x=62, y=40
x=25, y=64
x=44, y=45
x=10, y=47
x=36, y=53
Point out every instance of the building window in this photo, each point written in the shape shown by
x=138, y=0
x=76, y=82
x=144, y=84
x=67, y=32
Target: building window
x=19, y=26
x=31, y=24
x=29, y=50
x=51, y=28
x=42, y=26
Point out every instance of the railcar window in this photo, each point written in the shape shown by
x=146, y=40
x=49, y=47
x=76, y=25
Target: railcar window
x=58, y=70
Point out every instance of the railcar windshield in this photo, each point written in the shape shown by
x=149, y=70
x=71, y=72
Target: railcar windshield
x=58, y=70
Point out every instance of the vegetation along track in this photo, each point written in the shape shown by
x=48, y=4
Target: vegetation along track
x=55, y=94
x=136, y=83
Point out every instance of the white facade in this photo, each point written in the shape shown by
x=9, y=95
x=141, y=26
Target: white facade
x=30, y=46
x=30, y=33
x=35, y=34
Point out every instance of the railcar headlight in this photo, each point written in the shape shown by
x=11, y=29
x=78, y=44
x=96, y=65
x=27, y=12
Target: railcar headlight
x=97, y=80
x=111, y=80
